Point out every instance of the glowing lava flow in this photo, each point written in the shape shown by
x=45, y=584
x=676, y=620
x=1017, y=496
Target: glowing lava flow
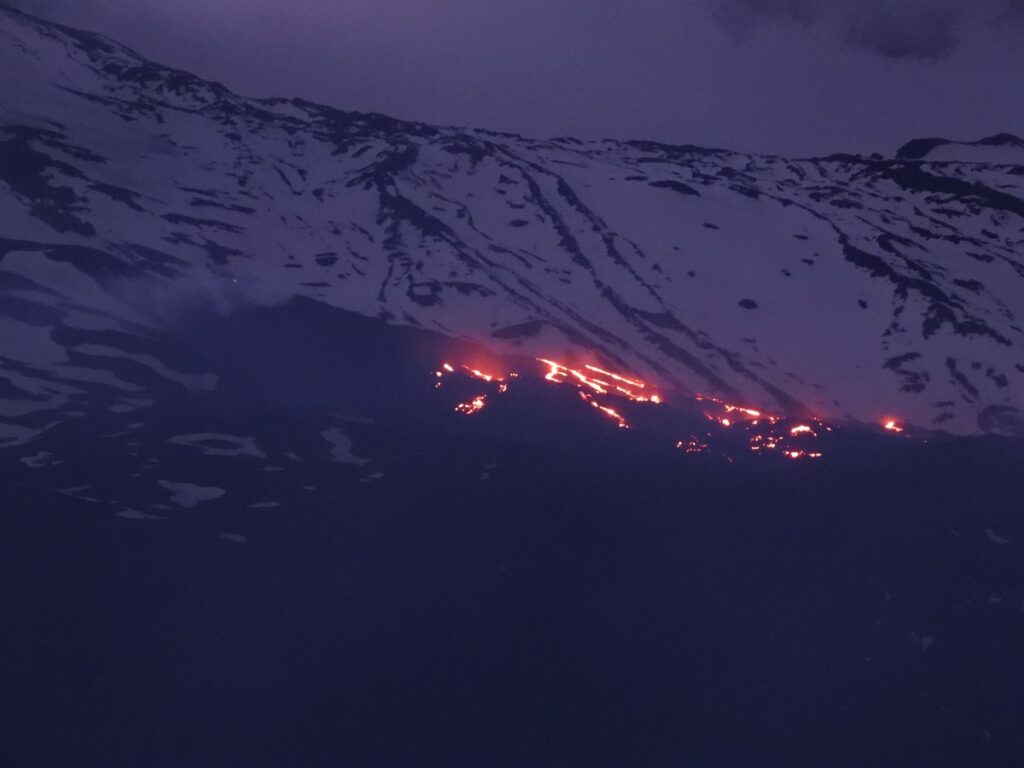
x=475, y=373
x=590, y=380
x=739, y=426
x=766, y=435
x=609, y=412
x=473, y=406
x=603, y=383
x=478, y=402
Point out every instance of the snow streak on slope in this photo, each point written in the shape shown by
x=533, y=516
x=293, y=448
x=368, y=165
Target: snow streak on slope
x=840, y=287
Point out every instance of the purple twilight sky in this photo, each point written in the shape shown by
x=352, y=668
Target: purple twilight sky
x=787, y=76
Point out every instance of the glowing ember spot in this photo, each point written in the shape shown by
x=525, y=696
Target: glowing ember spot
x=802, y=455
x=448, y=368
x=693, y=445
x=892, y=426
x=725, y=422
x=802, y=429
x=473, y=406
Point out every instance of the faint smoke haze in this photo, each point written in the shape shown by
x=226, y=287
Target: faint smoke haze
x=896, y=29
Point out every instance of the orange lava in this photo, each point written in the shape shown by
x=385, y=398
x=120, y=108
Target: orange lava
x=735, y=411
x=473, y=406
x=476, y=373
x=609, y=412
x=745, y=411
x=590, y=380
x=693, y=445
x=604, y=383
x=802, y=455
x=764, y=432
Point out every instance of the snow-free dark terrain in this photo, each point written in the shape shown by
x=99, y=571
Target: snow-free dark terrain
x=245, y=524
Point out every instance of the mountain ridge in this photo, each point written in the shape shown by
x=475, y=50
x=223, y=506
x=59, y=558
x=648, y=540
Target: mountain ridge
x=851, y=288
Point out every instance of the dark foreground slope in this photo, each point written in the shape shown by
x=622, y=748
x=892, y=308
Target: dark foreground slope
x=528, y=586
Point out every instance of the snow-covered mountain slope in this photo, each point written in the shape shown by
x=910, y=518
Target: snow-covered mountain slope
x=848, y=287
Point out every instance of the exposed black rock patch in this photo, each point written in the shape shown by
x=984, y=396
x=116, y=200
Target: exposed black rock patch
x=25, y=170
x=521, y=331
x=911, y=381
x=675, y=186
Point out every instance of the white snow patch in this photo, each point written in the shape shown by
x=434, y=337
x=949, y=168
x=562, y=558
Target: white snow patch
x=41, y=459
x=925, y=641
x=189, y=495
x=130, y=404
x=133, y=514
x=12, y=435
x=341, y=449
x=229, y=445
x=994, y=538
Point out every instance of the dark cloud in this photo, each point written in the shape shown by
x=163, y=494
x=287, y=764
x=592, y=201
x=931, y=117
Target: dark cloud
x=896, y=29
x=1013, y=10
x=741, y=16
x=902, y=32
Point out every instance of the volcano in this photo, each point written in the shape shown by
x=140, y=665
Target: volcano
x=845, y=287
x=328, y=438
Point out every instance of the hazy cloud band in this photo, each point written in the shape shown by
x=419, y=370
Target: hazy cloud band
x=897, y=29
